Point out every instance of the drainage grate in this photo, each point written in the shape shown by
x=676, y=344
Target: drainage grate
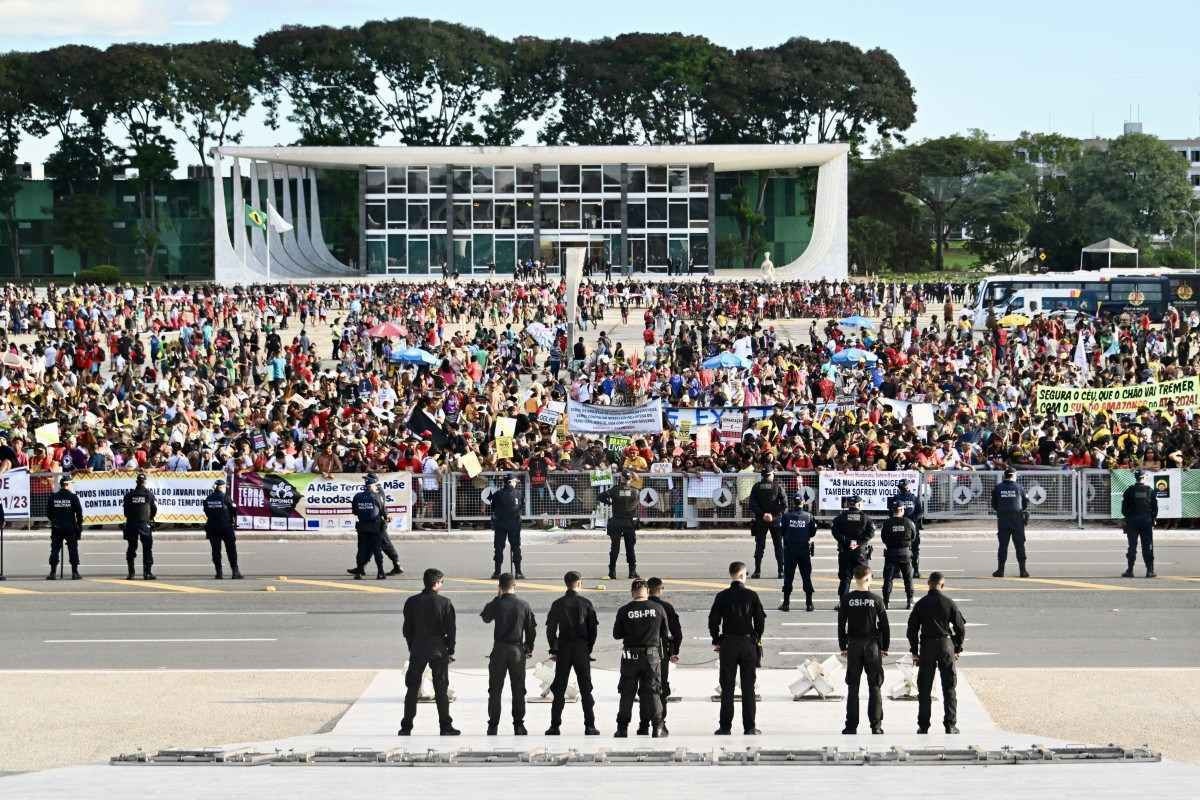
x=204, y=756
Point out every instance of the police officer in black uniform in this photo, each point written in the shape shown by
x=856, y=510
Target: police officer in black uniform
x=429, y=629
x=798, y=528
x=512, y=642
x=66, y=526
x=571, y=629
x=936, y=630
x=506, y=525
x=140, y=511
x=914, y=512
x=1139, y=507
x=641, y=626
x=669, y=655
x=624, y=501
x=736, y=623
x=898, y=534
x=220, y=518
x=863, y=638
x=1012, y=512
x=852, y=530
x=767, y=504
x=369, y=508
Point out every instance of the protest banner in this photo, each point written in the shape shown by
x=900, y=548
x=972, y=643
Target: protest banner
x=553, y=411
x=504, y=447
x=586, y=418
x=616, y=444
x=1068, y=400
x=730, y=427
x=300, y=502
x=677, y=418
x=14, y=493
x=704, y=441
x=834, y=487
x=178, y=495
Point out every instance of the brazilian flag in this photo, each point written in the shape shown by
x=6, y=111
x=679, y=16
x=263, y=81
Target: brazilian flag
x=255, y=217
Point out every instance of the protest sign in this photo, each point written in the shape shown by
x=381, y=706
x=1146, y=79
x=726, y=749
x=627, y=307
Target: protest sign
x=834, y=487
x=308, y=502
x=1068, y=400
x=586, y=418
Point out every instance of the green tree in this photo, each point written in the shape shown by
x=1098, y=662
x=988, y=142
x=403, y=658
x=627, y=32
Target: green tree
x=876, y=199
x=1052, y=158
x=998, y=216
x=528, y=83
x=872, y=244
x=329, y=86
x=213, y=84
x=15, y=111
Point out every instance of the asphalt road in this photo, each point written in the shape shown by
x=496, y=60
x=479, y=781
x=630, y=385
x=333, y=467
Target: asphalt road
x=1074, y=612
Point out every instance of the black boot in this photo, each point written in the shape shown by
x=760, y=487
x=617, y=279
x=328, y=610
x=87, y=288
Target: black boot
x=149, y=576
x=643, y=729
x=612, y=572
x=53, y=576
x=75, y=574
x=622, y=732
x=496, y=572
x=659, y=732
x=907, y=602
x=633, y=572
x=395, y=570
x=887, y=600
x=999, y=573
x=786, y=604
x=219, y=574
x=1150, y=570
x=129, y=561
x=237, y=576
x=520, y=575
x=757, y=569
x=808, y=606
x=1128, y=573
x=1023, y=573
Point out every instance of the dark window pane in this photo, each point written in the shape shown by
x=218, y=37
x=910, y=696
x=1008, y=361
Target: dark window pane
x=591, y=181
x=397, y=215
x=376, y=216
x=506, y=216
x=483, y=250
x=418, y=257
x=679, y=180
x=506, y=180
x=591, y=215
x=699, y=243
x=396, y=178
x=437, y=211
x=462, y=216
x=698, y=208
x=568, y=215
x=612, y=176
x=637, y=215
x=462, y=181
x=656, y=245
x=698, y=176
x=549, y=180
x=525, y=178
x=397, y=251
x=656, y=176
x=376, y=255
x=656, y=210
x=437, y=177
x=418, y=181
x=568, y=174
x=525, y=211
x=482, y=213
x=481, y=179
x=418, y=216
x=636, y=180
x=549, y=216
x=375, y=181
x=679, y=215
x=612, y=210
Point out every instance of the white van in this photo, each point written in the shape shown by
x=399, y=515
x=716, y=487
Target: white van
x=1064, y=303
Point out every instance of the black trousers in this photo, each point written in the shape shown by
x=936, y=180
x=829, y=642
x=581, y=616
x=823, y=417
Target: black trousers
x=511, y=535
x=572, y=656
x=229, y=539
x=133, y=534
x=891, y=566
x=616, y=532
x=370, y=545
x=506, y=661
x=916, y=549
x=1144, y=534
x=758, y=530
x=641, y=674
x=439, y=667
x=57, y=540
x=862, y=655
x=847, y=561
x=937, y=655
x=1013, y=530
x=664, y=691
x=791, y=562
x=386, y=546
x=738, y=658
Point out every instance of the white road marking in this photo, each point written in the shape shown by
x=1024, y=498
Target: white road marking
x=149, y=641
x=1115, y=563
x=834, y=624
x=187, y=613
x=838, y=652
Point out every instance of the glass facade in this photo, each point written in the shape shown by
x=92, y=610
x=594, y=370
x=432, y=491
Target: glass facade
x=485, y=218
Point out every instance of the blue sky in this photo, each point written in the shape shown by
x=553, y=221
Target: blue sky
x=1069, y=66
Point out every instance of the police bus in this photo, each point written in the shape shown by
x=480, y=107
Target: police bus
x=1105, y=291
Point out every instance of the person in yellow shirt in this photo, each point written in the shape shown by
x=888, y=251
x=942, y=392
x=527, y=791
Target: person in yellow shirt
x=633, y=461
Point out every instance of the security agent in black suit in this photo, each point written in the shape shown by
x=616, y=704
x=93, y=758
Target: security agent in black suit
x=736, y=623
x=641, y=626
x=670, y=652
x=220, y=526
x=1139, y=507
x=767, y=504
x=936, y=630
x=571, y=629
x=621, y=525
x=66, y=527
x=863, y=638
x=852, y=530
x=369, y=508
x=914, y=512
x=140, y=511
x=429, y=630
x=1012, y=512
x=506, y=525
x=512, y=642
x=897, y=534
x=798, y=528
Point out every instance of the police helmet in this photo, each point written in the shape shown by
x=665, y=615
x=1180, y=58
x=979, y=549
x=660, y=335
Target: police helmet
x=370, y=479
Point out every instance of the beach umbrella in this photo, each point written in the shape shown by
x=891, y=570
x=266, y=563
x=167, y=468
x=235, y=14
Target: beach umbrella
x=1013, y=320
x=857, y=321
x=853, y=355
x=387, y=330
x=727, y=360
x=415, y=355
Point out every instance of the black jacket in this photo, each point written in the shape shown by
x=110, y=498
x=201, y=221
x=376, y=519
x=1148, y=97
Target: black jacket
x=624, y=500
x=220, y=515
x=506, y=508
x=65, y=513
x=898, y=534
x=139, y=506
x=673, y=627
x=852, y=526
x=429, y=627
x=1139, y=505
x=1009, y=500
x=936, y=616
x=736, y=611
x=862, y=615
x=641, y=624
x=515, y=623
x=368, y=506
x=572, y=618
x=913, y=508
x=799, y=528
x=767, y=497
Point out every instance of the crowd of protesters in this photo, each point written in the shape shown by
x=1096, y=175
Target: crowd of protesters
x=209, y=377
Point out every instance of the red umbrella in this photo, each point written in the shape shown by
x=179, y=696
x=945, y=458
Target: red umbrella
x=387, y=330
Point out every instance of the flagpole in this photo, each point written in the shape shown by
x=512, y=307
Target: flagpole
x=268, y=250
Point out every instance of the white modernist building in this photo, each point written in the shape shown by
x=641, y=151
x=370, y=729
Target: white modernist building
x=481, y=210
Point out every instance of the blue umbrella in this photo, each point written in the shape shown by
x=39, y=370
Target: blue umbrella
x=853, y=356
x=415, y=355
x=727, y=360
x=857, y=321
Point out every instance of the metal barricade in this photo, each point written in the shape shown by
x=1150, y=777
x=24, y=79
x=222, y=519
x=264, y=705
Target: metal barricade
x=661, y=498
x=963, y=494
x=470, y=497
x=1095, y=490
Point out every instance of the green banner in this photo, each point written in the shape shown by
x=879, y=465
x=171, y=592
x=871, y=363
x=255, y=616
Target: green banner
x=1067, y=400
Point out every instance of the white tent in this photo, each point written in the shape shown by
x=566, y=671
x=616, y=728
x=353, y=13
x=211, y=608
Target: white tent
x=1110, y=246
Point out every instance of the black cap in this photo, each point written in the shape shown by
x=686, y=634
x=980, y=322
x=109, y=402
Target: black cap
x=64, y=480
x=1138, y=474
x=1010, y=473
x=140, y=477
x=854, y=501
x=370, y=479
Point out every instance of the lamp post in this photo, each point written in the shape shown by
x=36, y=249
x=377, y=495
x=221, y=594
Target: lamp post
x=1194, y=218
